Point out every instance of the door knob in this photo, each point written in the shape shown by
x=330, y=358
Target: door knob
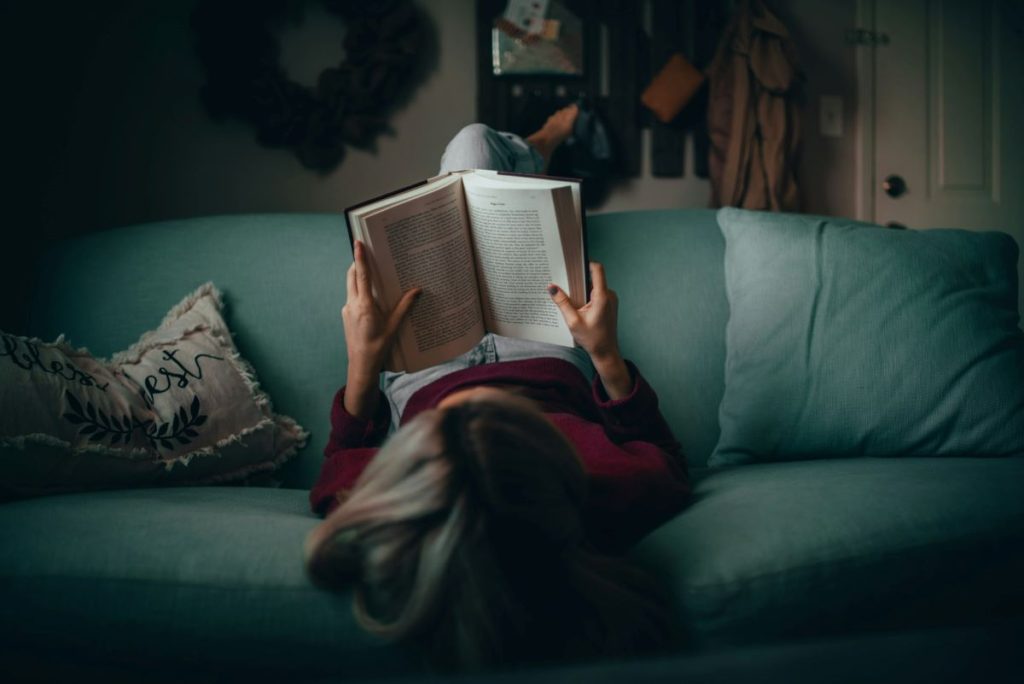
x=894, y=186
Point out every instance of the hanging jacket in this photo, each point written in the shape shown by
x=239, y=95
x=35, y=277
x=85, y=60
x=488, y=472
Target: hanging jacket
x=753, y=117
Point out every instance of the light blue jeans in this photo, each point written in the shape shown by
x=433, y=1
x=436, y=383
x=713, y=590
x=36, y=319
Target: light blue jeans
x=480, y=147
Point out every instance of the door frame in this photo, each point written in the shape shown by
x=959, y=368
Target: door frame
x=864, y=192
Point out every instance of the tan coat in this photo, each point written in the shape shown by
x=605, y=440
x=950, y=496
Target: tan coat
x=753, y=118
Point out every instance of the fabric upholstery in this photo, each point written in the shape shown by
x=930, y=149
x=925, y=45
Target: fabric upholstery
x=848, y=339
x=214, y=574
x=177, y=576
x=282, y=279
x=667, y=269
x=808, y=548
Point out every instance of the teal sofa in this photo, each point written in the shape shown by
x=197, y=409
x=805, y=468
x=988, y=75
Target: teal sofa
x=207, y=583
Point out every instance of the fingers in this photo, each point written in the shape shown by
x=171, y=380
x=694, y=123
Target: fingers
x=597, y=278
x=564, y=305
x=362, y=269
x=401, y=309
x=350, y=282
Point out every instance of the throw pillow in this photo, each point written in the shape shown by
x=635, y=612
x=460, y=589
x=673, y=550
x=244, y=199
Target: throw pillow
x=849, y=339
x=179, y=407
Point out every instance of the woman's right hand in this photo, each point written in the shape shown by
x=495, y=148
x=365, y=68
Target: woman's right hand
x=370, y=333
x=594, y=326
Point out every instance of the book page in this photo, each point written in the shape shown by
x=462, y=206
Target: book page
x=424, y=243
x=518, y=253
x=505, y=179
x=566, y=193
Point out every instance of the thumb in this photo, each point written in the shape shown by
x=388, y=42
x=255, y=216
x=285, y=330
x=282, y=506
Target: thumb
x=561, y=300
x=401, y=310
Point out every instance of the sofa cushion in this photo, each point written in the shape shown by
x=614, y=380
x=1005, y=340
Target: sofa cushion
x=205, y=577
x=667, y=269
x=848, y=339
x=180, y=406
x=769, y=551
x=283, y=279
x=212, y=577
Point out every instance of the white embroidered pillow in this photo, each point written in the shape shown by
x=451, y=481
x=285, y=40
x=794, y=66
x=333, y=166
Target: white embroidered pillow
x=179, y=407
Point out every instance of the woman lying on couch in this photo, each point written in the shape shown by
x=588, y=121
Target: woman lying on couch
x=488, y=529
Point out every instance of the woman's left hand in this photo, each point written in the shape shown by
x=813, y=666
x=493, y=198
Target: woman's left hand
x=370, y=332
x=594, y=326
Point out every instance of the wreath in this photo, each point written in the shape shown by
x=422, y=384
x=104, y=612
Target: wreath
x=238, y=47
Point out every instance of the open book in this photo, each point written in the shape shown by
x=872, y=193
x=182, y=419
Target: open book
x=483, y=245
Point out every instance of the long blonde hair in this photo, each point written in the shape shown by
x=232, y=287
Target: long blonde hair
x=465, y=536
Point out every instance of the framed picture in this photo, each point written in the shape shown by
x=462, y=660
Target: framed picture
x=534, y=38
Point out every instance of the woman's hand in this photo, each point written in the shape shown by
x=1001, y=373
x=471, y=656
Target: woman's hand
x=594, y=326
x=370, y=333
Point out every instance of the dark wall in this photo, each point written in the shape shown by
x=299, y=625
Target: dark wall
x=105, y=127
x=46, y=50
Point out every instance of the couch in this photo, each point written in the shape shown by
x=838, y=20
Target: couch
x=773, y=565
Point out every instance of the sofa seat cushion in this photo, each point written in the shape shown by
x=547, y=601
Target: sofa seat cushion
x=816, y=547
x=201, y=577
x=212, y=577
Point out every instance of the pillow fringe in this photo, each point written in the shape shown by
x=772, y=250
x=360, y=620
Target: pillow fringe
x=23, y=442
x=151, y=338
x=207, y=289
x=281, y=424
x=149, y=341
x=291, y=427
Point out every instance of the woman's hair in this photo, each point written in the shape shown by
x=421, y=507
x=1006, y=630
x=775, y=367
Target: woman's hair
x=464, y=535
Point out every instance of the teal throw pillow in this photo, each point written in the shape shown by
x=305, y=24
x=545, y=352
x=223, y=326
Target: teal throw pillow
x=849, y=339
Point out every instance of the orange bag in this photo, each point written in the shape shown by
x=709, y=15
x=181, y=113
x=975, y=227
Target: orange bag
x=672, y=88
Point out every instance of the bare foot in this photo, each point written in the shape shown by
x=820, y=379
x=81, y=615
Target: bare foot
x=553, y=133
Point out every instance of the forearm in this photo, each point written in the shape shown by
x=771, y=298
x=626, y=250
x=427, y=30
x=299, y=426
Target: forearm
x=615, y=376
x=636, y=416
x=362, y=393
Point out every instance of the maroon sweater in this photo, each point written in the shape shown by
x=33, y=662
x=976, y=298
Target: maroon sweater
x=637, y=475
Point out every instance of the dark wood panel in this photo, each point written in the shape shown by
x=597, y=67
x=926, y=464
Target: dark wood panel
x=622, y=18
x=520, y=103
x=668, y=36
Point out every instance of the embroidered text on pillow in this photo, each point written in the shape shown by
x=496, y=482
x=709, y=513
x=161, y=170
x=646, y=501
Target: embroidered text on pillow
x=31, y=359
x=149, y=389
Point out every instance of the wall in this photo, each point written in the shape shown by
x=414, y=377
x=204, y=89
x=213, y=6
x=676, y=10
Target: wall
x=827, y=170
x=141, y=146
x=106, y=128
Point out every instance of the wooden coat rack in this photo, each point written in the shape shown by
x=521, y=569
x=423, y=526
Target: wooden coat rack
x=619, y=58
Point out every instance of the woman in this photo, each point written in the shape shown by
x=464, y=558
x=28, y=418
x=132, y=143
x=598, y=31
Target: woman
x=486, y=529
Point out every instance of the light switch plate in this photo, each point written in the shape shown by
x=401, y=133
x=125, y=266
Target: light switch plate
x=831, y=119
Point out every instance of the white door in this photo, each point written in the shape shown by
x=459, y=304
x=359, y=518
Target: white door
x=948, y=120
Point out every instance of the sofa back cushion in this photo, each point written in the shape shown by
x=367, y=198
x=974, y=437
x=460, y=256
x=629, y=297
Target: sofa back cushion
x=849, y=339
x=282, y=279
x=667, y=268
